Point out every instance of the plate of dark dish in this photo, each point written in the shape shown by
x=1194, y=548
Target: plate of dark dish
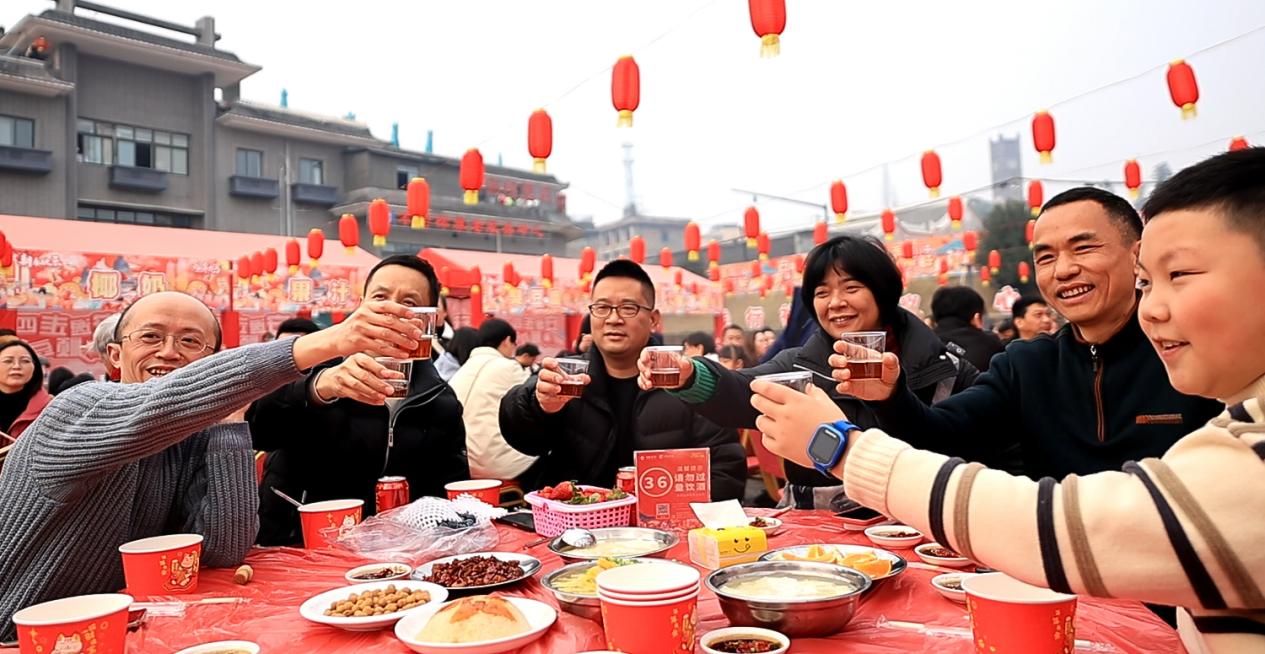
x=478, y=572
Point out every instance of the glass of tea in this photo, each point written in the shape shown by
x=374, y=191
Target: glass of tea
x=572, y=383
x=425, y=318
x=665, y=365
x=798, y=380
x=864, y=351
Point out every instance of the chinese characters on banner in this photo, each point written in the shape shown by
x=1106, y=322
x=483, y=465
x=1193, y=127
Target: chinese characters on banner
x=547, y=330
x=667, y=482
x=63, y=337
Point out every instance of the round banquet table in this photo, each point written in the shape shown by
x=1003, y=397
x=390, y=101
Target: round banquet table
x=284, y=577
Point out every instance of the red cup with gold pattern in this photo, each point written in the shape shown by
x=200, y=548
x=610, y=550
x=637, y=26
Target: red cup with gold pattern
x=660, y=627
x=486, y=490
x=162, y=565
x=330, y=514
x=86, y=623
x=1009, y=616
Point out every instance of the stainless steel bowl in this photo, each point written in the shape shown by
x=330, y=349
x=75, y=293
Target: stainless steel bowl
x=898, y=562
x=665, y=539
x=794, y=617
x=585, y=606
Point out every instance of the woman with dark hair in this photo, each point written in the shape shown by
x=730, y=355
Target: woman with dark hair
x=851, y=284
x=22, y=394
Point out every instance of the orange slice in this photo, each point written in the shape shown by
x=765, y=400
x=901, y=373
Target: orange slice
x=867, y=563
x=815, y=553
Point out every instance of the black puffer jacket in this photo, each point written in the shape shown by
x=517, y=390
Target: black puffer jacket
x=339, y=451
x=931, y=372
x=578, y=441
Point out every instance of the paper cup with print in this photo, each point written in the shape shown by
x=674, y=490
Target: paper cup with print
x=486, y=490
x=86, y=623
x=162, y=565
x=330, y=514
x=1009, y=616
x=661, y=627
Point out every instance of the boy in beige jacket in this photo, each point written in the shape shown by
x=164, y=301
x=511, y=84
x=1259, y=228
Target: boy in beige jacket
x=1187, y=529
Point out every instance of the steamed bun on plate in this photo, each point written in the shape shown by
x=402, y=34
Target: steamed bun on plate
x=475, y=619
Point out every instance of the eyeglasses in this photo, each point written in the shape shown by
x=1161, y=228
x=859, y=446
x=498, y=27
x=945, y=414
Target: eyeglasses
x=625, y=310
x=186, y=343
x=9, y=362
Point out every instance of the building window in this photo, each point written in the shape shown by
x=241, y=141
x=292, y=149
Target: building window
x=17, y=132
x=311, y=171
x=139, y=147
x=403, y=174
x=250, y=163
x=138, y=217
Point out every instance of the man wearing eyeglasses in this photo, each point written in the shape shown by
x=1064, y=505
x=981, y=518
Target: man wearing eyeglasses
x=589, y=437
x=165, y=451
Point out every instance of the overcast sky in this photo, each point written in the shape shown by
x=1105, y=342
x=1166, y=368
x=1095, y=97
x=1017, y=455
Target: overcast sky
x=857, y=84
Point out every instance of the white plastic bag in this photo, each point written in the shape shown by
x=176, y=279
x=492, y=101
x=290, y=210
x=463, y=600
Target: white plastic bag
x=424, y=530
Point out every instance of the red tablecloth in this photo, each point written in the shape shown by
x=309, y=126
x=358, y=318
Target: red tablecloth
x=285, y=577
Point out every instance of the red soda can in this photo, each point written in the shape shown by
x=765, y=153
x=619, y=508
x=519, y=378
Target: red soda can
x=626, y=479
x=392, y=492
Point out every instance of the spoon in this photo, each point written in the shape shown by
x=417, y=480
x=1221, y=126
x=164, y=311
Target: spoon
x=578, y=538
x=287, y=498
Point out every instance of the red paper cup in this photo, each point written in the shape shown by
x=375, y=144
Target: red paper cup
x=330, y=514
x=1008, y=616
x=486, y=490
x=665, y=627
x=87, y=623
x=662, y=580
x=162, y=565
x=658, y=597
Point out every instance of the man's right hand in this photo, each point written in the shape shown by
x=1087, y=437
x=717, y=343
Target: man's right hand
x=378, y=328
x=870, y=390
x=643, y=372
x=358, y=378
x=549, y=386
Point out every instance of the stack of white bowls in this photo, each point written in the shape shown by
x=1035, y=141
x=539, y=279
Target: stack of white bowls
x=650, y=608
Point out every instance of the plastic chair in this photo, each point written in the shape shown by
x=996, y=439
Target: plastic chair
x=771, y=469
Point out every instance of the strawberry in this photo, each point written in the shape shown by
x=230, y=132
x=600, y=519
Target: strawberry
x=564, y=491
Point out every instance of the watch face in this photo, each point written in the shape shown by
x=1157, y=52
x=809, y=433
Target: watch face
x=824, y=444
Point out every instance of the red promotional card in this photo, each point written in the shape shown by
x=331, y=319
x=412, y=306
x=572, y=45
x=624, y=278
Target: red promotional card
x=667, y=481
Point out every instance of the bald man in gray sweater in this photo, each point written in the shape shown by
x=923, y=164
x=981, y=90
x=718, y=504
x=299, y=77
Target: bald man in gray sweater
x=163, y=452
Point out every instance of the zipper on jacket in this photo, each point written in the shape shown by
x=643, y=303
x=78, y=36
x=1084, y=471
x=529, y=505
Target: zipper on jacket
x=1098, y=369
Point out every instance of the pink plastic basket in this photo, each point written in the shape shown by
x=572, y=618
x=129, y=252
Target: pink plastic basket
x=553, y=517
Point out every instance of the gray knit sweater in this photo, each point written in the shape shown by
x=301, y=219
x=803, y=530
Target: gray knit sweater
x=107, y=463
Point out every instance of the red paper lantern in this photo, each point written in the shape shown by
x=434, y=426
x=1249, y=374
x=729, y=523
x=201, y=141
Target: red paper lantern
x=751, y=225
x=714, y=273
x=821, y=232
x=800, y=262
x=256, y=265
x=588, y=259
x=1133, y=177
x=637, y=249
x=889, y=224
x=243, y=267
x=1036, y=196
x=472, y=175
x=943, y=277
x=418, y=202
x=907, y=249
x=931, y=174
x=678, y=278
x=379, y=221
x=970, y=241
x=985, y=276
x=6, y=256
x=546, y=270
x=757, y=269
x=713, y=254
x=729, y=287
x=768, y=19
x=349, y=231
x=539, y=138
x=994, y=261
x=693, y=238
x=1029, y=231
x=294, y=255
x=665, y=257
x=1043, y=135
x=509, y=275
x=839, y=200
x=955, y=212
x=459, y=224
x=625, y=89
x=315, y=245
x=763, y=246
x=1024, y=271
x=1238, y=143
x=5, y=248
x=1182, y=87
x=476, y=298
x=270, y=261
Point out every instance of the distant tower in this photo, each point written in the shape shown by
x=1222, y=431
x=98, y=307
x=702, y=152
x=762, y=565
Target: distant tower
x=630, y=196
x=1007, y=169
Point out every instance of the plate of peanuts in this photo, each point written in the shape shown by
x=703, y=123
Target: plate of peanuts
x=372, y=606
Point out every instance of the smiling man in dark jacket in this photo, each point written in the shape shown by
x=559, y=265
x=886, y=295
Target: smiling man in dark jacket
x=327, y=434
x=1088, y=399
x=588, y=438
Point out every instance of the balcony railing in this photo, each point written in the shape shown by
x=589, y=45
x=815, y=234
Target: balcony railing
x=243, y=186
x=314, y=194
x=130, y=178
x=25, y=160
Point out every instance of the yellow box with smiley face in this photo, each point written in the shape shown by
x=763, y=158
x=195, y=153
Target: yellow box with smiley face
x=717, y=548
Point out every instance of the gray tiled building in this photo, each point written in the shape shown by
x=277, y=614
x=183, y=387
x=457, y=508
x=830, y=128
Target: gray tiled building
x=122, y=125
